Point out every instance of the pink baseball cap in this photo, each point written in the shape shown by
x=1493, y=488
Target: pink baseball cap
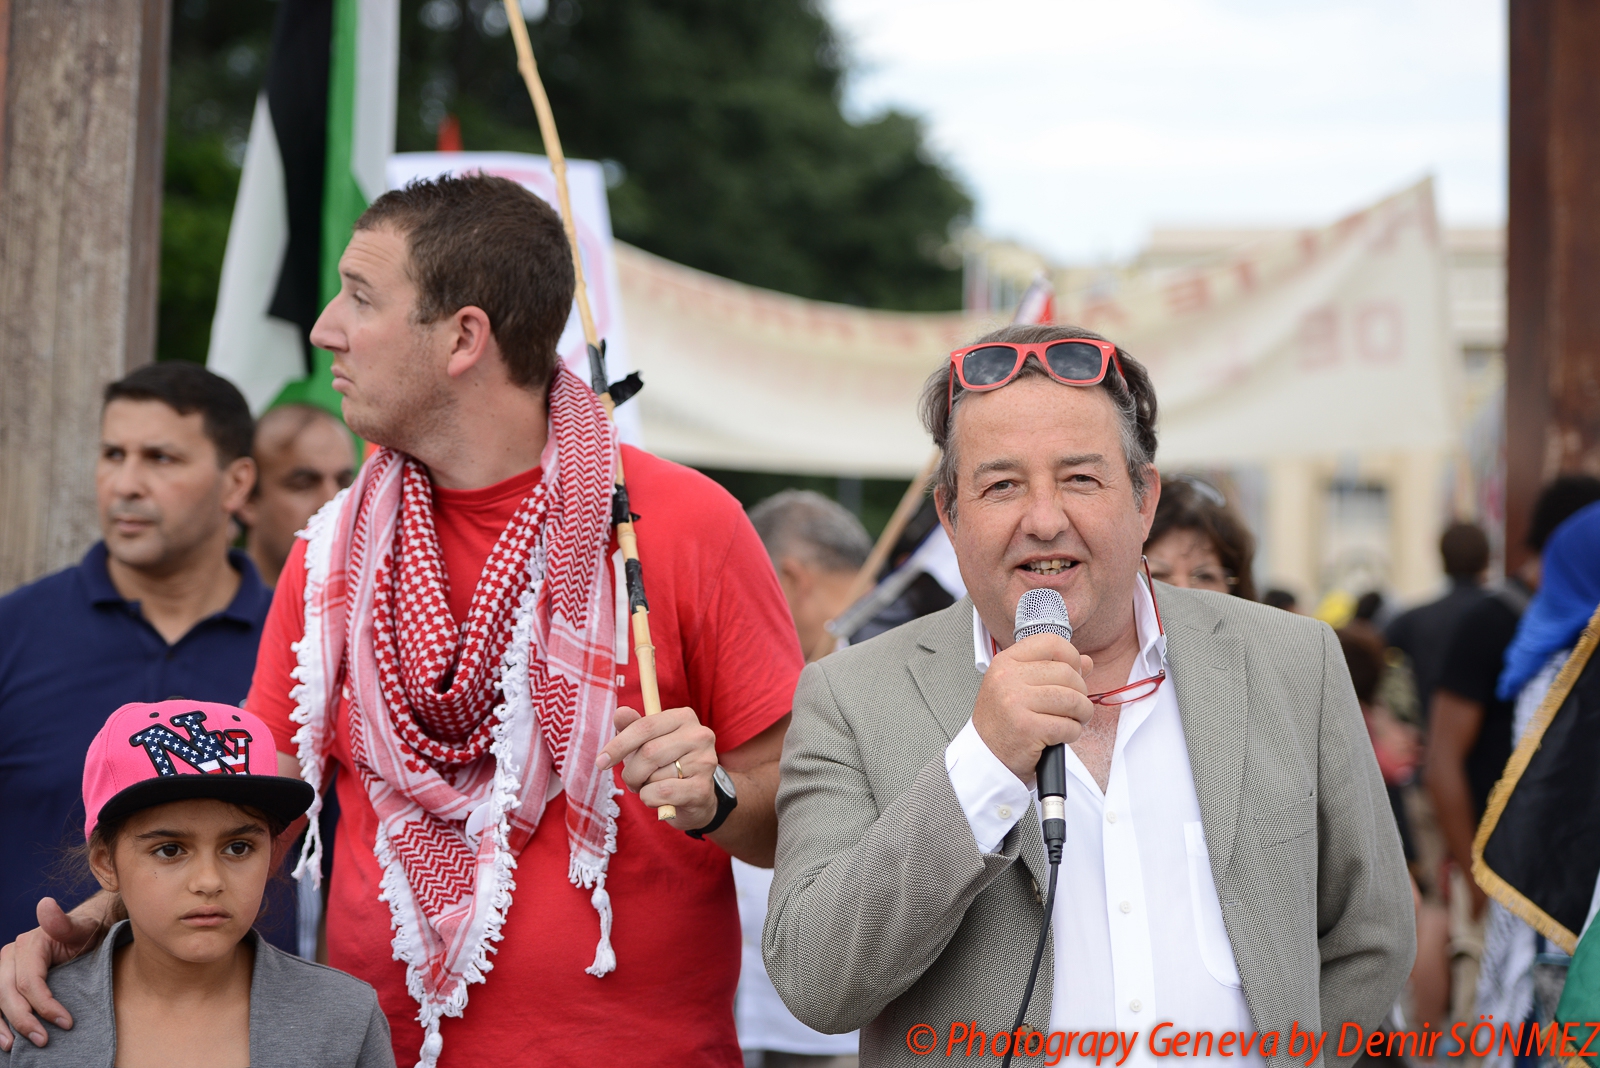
x=149, y=754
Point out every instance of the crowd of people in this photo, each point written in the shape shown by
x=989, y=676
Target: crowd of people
x=414, y=687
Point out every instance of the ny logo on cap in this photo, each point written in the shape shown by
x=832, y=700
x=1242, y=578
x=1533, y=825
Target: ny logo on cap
x=225, y=752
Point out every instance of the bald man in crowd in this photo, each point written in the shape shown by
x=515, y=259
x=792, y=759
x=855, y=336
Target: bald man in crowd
x=304, y=456
x=817, y=547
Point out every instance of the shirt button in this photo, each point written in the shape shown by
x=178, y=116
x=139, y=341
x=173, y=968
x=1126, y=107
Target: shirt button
x=1111, y=815
x=1127, y=907
x=1135, y=1005
x=1004, y=812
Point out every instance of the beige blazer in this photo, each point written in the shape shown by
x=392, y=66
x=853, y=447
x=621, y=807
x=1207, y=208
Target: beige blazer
x=884, y=914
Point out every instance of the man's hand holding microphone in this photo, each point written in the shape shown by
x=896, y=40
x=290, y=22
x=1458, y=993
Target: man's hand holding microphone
x=1037, y=706
x=1033, y=696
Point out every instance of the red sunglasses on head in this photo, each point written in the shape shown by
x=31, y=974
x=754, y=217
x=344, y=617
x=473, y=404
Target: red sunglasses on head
x=1070, y=361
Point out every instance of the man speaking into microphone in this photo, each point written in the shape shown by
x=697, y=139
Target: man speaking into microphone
x=1230, y=861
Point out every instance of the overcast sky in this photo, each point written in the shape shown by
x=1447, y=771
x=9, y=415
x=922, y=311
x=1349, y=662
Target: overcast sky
x=1079, y=124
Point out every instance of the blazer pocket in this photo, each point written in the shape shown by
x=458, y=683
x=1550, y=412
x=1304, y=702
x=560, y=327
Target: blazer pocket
x=1216, y=952
x=1288, y=821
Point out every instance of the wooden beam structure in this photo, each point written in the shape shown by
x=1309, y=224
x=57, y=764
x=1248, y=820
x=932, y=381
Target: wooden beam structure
x=81, y=146
x=1552, y=253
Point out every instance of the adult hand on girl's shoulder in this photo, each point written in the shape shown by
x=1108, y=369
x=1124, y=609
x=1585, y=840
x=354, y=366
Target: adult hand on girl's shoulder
x=60, y=937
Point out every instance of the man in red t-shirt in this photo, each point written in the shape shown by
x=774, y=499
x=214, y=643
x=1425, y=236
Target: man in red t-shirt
x=450, y=638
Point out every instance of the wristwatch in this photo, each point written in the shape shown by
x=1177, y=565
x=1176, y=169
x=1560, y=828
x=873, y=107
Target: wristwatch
x=727, y=801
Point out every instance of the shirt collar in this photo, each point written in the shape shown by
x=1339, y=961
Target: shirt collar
x=96, y=578
x=244, y=608
x=1146, y=621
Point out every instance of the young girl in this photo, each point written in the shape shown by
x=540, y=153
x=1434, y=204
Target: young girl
x=183, y=802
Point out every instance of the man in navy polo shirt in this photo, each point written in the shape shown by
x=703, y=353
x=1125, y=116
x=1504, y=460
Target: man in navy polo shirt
x=160, y=608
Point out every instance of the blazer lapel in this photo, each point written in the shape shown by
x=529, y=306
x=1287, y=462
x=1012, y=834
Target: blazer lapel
x=1208, y=668
x=944, y=668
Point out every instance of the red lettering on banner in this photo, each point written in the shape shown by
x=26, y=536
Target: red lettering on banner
x=1102, y=310
x=1245, y=275
x=1308, y=246
x=1398, y=219
x=1319, y=338
x=772, y=314
x=1343, y=1032
x=821, y=322
x=1347, y=225
x=894, y=333
x=1188, y=295
x=953, y=335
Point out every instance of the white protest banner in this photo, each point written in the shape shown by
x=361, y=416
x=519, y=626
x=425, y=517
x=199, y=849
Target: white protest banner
x=1315, y=343
x=1309, y=343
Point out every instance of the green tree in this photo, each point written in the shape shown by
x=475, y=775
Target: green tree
x=218, y=55
x=722, y=127
x=719, y=121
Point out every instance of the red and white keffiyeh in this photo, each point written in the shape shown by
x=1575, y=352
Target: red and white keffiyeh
x=456, y=733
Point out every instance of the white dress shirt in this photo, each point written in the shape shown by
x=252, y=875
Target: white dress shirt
x=1139, y=937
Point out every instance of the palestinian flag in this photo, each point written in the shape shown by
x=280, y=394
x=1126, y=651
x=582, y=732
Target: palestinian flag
x=1538, y=848
x=320, y=142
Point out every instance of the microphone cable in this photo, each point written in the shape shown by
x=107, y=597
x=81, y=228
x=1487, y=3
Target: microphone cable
x=1038, y=957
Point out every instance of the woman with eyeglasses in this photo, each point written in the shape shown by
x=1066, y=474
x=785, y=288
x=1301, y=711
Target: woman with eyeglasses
x=1198, y=542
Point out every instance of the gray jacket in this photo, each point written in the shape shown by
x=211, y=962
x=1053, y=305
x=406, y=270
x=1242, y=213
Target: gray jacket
x=884, y=914
x=301, y=1014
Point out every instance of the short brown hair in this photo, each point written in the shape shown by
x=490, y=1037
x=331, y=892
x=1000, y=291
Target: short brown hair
x=484, y=241
x=1131, y=394
x=187, y=388
x=1465, y=549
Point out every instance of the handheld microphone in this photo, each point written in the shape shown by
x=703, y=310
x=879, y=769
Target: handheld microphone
x=1043, y=611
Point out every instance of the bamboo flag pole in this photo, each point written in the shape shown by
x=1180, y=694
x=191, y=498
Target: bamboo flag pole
x=638, y=606
x=866, y=577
